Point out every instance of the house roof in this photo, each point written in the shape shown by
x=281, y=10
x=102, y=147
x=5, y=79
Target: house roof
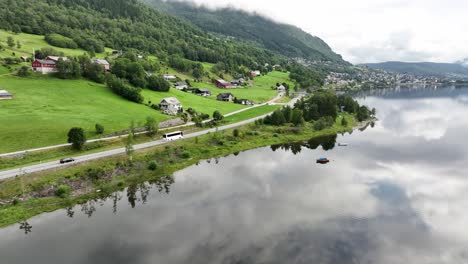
x=225, y=95
x=100, y=61
x=223, y=82
x=50, y=62
x=180, y=83
x=5, y=93
x=56, y=58
x=204, y=90
x=170, y=100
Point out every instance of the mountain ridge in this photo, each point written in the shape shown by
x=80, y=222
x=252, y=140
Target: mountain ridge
x=282, y=38
x=456, y=70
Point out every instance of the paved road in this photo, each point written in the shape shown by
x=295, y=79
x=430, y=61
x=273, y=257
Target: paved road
x=22, y=152
x=55, y=164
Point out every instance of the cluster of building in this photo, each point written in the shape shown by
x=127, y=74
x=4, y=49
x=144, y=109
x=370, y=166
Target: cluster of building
x=367, y=78
x=49, y=64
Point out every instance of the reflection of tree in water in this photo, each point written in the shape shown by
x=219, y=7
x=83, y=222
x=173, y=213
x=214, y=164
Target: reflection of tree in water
x=89, y=208
x=26, y=227
x=115, y=198
x=327, y=143
x=163, y=185
x=70, y=212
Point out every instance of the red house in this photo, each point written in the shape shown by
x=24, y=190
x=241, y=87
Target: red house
x=224, y=84
x=47, y=65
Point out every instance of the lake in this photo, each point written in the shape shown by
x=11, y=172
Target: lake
x=398, y=193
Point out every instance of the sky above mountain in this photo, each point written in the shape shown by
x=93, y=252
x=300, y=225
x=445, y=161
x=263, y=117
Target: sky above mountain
x=374, y=30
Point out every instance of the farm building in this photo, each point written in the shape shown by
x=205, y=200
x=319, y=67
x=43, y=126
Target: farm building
x=202, y=92
x=5, y=95
x=224, y=84
x=180, y=85
x=244, y=102
x=102, y=62
x=170, y=106
x=255, y=73
x=47, y=65
x=225, y=97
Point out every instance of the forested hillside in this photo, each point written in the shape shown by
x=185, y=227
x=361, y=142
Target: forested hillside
x=122, y=24
x=284, y=39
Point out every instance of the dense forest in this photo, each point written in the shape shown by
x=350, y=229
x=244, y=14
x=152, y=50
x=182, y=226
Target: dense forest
x=281, y=38
x=122, y=24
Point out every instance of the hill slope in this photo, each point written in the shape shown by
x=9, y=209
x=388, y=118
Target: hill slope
x=123, y=24
x=422, y=68
x=282, y=38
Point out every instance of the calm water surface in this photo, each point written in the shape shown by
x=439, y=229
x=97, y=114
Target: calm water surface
x=397, y=194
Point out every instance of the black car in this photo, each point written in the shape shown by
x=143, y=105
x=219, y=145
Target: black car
x=67, y=160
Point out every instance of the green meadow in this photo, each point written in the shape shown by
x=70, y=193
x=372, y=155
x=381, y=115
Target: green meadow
x=45, y=108
x=31, y=42
x=261, y=90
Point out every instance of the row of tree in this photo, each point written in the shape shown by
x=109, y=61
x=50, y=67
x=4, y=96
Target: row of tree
x=322, y=108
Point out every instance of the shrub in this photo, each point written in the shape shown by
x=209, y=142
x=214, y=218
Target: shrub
x=152, y=166
x=186, y=155
x=63, y=191
x=99, y=129
x=95, y=173
x=77, y=137
x=60, y=41
x=344, y=122
x=24, y=71
x=15, y=201
x=236, y=132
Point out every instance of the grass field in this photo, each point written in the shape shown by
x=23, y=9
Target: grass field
x=251, y=113
x=205, y=105
x=30, y=42
x=259, y=92
x=44, y=109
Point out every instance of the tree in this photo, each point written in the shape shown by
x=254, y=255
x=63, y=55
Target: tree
x=217, y=116
x=158, y=83
x=10, y=42
x=24, y=71
x=151, y=126
x=18, y=44
x=99, y=129
x=297, y=117
x=129, y=150
x=76, y=136
x=287, y=112
x=344, y=122
x=363, y=113
x=277, y=118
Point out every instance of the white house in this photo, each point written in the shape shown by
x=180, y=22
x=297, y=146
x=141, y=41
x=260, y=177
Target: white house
x=255, y=73
x=5, y=95
x=169, y=77
x=170, y=106
x=180, y=85
x=281, y=88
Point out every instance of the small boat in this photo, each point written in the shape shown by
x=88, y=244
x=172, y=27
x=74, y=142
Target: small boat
x=323, y=160
x=343, y=144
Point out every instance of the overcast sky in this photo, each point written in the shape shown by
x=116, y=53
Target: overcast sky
x=375, y=30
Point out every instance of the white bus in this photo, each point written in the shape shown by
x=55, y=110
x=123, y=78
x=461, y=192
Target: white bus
x=173, y=135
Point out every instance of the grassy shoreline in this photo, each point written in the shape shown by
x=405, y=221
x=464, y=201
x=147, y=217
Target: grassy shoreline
x=27, y=196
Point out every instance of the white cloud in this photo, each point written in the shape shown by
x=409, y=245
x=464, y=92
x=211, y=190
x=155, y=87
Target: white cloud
x=374, y=30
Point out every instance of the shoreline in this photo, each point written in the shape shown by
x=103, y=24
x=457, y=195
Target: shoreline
x=25, y=197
